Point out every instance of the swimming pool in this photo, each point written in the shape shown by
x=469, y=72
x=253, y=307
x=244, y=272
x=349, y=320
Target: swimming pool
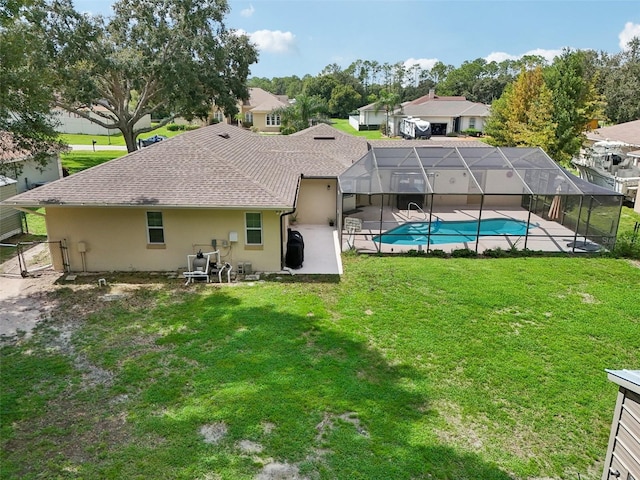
x=417, y=233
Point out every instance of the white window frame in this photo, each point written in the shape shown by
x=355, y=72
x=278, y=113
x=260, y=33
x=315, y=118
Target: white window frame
x=219, y=116
x=155, y=228
x=273, y=120
x=472, y=122
x=248, y=117
x=248, y=229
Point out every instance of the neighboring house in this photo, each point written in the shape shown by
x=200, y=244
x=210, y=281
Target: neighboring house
x=623, y=453
x=628, y=132
x=10, y=218
x=74, y=123
x=20, y=166
x=368, y=118
x=446, y=114
x=258, y=111
x=219, y=185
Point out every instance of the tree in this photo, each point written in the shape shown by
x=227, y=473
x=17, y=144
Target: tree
x=26, y=93
x=523, y=115
x=387, y=101
x=620, y=78
x=575, y=101
x=176, y=55
x=344, y=99
x=301, y=114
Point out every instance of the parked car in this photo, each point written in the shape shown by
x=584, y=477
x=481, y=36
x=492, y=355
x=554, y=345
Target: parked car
x=145, y=142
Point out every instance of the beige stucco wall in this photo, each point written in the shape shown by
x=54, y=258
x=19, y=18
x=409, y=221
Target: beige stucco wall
x=316, y=201
x=260, y=122
x=116, y=238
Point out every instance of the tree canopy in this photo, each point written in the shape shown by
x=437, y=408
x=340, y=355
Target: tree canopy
x=523, y=115
x=26, y=87
x=175, y=56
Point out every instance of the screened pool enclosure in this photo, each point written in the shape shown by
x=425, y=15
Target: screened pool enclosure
x=397, y=199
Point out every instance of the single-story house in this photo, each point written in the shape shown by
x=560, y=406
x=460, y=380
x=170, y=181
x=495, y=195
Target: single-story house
x=226, y=188
x=10, y=218
x=218, y=187
x=623, y=454
x=69, y=122
x=446, y=114
x=258, y=111
x=20, y=166
x=368, y=118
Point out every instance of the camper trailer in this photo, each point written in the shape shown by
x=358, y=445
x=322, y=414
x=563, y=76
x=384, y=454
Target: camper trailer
x=413, y=128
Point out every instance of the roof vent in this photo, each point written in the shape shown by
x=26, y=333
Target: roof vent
x=324, y=137
x=224, y=135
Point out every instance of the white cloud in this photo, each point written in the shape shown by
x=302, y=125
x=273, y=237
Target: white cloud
x=273, y=41
x=499, y=57
x=629, y=31
x=424, y=63
x=247, y=12
x=548, y=55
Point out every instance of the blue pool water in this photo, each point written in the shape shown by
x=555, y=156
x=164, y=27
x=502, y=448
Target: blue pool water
x=416, y=233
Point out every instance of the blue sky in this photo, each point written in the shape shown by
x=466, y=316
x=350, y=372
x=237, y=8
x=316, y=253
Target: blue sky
x=298, y=37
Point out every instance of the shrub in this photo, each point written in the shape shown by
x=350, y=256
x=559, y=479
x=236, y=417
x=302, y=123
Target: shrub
x=495, y=253
x=438, y=253
x=472, y=132
x=627, y=246
x=191, y=127
x=174, y=127
x=463, y=253
x=452, y=134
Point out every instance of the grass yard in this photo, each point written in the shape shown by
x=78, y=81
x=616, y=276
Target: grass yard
x=116, y=139
x=408, y=368
x=342, y=124
x=79, y=160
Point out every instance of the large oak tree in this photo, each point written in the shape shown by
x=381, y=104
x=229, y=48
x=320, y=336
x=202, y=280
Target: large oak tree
x=174, y=56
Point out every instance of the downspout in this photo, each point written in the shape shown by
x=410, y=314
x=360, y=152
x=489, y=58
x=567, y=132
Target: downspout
x=282, y=215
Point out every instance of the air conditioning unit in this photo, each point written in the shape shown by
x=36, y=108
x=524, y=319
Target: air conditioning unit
x=244, y=268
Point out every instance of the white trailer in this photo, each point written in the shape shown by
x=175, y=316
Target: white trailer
x=413, y=128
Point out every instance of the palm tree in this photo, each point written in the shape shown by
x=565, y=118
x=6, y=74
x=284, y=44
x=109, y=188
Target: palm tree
x=387, y=101
x=301, y=114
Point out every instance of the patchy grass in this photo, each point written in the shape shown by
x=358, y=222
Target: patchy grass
x=407, y=368
x=79, y=160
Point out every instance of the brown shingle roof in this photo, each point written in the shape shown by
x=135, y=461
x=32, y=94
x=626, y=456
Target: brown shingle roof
x=628, y=132
x=219, y=166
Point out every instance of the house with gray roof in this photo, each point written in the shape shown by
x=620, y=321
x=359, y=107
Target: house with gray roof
x=218, y=187
x=446, y=114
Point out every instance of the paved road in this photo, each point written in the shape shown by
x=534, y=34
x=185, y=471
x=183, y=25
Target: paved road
x=98, y=147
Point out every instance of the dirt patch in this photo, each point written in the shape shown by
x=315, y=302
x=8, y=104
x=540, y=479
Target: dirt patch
x=24, y=303
x=213, y=432
x=280, y=471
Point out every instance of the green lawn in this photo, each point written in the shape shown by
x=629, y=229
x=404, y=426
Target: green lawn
x=343, y=125
x=407, y=368
x=117, y=139
x=79, y=160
